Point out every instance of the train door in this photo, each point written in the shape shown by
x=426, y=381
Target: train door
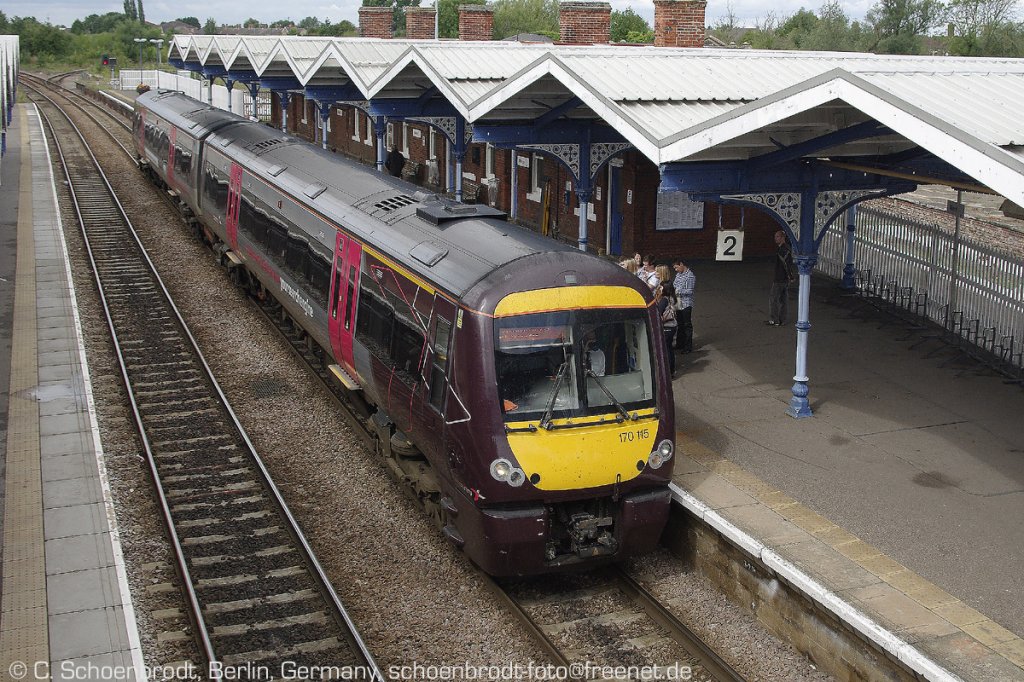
x=170, y=157
x=344, y=297
x=234, y=203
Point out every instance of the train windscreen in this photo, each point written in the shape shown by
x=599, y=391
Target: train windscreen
x=573, y=363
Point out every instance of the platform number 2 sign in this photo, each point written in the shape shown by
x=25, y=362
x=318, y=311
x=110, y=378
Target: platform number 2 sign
x=730, y=245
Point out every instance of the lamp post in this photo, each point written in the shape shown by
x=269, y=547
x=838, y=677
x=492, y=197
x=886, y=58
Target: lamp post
x=141, y=42
x=159, y=42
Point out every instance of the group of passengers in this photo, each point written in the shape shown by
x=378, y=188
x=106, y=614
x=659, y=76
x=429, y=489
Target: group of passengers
x=673, y=294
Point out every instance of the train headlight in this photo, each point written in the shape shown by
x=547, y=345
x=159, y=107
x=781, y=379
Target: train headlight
x=661, y=455
x=501, y=469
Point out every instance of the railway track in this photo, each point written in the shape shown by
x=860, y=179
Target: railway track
x=257, y=596
x=627, y=623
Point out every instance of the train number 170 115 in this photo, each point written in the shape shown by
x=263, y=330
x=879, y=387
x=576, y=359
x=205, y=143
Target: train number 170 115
x=630, y=436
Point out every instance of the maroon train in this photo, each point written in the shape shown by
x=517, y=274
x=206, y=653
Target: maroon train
x=518, y=386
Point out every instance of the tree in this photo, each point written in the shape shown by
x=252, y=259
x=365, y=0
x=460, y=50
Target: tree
x=512, y=17
x=282, y=23
x=210, y=27
x=142, y=13
x=899, y=24
x=95, y=23
x=130, y=10
x=976, y=25
x=626, y=23
x=252, y=23
x=191, y=21
x=342, y=28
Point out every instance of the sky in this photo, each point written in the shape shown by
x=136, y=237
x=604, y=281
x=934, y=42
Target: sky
x=747, y=12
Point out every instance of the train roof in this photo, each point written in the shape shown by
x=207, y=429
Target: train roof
x=194, y=117
x=453, y=245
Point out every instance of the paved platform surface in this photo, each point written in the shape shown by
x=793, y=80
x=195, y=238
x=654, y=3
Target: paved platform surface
x=65, y=600
x=903, y=494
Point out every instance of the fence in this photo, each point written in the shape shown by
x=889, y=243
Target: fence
x=971, y=290
x=241, y=101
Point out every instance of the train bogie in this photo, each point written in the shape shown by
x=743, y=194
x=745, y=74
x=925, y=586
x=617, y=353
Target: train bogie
x=517, y=386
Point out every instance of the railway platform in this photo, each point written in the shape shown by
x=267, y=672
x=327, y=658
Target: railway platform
x=898, y=503
x=66, y=609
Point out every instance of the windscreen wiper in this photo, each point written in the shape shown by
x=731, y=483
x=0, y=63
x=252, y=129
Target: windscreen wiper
x=618, y=405
x=545, y=421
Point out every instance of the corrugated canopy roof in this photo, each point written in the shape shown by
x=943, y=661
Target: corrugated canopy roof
x=679, y=105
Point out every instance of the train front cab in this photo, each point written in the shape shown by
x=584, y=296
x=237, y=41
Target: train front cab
x=587, y=413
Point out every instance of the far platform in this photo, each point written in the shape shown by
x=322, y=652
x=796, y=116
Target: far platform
x=910, y=472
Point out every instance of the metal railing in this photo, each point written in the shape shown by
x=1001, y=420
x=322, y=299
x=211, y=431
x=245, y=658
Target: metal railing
x=973, y=291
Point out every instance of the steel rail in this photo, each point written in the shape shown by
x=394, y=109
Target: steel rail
x=195, y=611
x=67, y=94
x=316, y=571
x=687, y=638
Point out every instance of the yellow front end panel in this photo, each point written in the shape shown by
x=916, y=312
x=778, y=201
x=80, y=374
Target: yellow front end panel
x=584, y=456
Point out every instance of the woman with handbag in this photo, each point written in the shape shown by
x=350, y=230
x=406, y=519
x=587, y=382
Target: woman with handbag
x=665, y=299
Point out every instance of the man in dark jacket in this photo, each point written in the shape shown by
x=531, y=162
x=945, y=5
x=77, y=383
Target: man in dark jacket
x=395, y=162
x=778, y=300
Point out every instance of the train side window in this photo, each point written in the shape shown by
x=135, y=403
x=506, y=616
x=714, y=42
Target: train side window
x=337, y=295
x=319, y=276
x=375, y=320
x=439, y=369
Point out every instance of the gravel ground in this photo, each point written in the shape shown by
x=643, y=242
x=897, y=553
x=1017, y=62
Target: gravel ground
x=414, y=598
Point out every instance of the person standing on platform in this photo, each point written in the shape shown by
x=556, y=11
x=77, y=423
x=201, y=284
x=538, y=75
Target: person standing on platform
x=778, y=300
x=649, y=274
x=683, y=284
x=395, y=161
x=665, y=299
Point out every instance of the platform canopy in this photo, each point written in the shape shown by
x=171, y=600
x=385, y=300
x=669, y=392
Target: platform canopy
x=682, y=105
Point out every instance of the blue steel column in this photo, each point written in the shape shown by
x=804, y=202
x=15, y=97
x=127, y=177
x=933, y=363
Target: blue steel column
x=807, y=250
x=460, y=154
x=849, y=270
x=584, y=190
x=380, y=124
x=230, y=85
x=254, y=91
x=285, y=101
x=325, y=113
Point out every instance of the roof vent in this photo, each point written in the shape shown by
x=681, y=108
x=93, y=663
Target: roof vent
x=314, y=190
x=276, y=170
x=394, y=203
x=260, y=147
x=438, y=213
x=428, y=253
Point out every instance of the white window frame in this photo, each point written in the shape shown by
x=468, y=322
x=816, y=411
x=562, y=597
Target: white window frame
x=405, y=139
x=305, y=104
x=369, y=131
x=391, y=136
x=432, y=145
x=355, y=124
x=536, y=160
x=489, y=161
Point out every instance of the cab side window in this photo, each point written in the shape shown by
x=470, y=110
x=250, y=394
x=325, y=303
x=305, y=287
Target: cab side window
x=439, y=366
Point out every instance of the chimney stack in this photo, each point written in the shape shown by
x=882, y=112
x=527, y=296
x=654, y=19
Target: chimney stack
x=419, y=23
x=679, y=23
x=375, y=22
x=584, y=23
x=476, y=22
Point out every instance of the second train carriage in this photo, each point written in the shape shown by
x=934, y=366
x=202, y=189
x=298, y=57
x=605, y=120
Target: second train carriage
x=518, y=385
